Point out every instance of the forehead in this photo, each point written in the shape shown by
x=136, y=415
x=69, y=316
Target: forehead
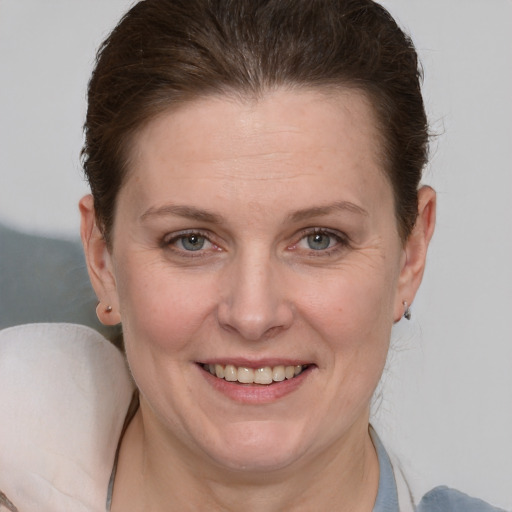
x=248, y=147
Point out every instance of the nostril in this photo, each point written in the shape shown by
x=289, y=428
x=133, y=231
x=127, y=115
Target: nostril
x=273, y=331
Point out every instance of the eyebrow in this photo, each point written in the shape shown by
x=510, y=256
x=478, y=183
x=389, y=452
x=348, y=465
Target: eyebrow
x=201, y=215
x=188, y=212
x=320, y=211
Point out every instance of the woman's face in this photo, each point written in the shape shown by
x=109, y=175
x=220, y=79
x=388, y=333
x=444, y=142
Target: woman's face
x=253, y=237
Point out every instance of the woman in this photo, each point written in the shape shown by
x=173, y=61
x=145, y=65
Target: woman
x=256, y=225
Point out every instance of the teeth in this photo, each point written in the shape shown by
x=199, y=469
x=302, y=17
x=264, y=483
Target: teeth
x=289, y=372
x=219, y=371
x=278, y=373
x=265, y=375
x=245, y=375
x=230, y=373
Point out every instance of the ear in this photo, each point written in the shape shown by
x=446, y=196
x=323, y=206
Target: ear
x=415, y=251
x=99, y=264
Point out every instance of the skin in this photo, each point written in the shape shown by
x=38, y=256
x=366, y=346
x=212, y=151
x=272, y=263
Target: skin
x=270, y=173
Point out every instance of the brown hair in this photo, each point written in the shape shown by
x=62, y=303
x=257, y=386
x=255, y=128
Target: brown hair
x=166, y=52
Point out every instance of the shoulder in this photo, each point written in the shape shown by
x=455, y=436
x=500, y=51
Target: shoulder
x=444, y=499
x=64, y=391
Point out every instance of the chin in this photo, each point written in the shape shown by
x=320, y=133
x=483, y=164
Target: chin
x=256, y=446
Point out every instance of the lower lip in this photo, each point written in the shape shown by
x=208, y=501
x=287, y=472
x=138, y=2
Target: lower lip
x=256, y=393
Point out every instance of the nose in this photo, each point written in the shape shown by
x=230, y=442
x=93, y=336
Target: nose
x=254, y=299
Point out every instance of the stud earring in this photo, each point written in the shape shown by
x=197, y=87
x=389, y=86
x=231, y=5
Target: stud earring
x=101, y=309
x=407, y=311
x=107, y=314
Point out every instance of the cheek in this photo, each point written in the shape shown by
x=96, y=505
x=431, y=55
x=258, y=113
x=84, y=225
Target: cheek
x=357, y=305
x=163, y=308
x=353, y=313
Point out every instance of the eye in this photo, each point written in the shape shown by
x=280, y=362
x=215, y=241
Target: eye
x=318, y=241
x=189, y=242
x=192, y=242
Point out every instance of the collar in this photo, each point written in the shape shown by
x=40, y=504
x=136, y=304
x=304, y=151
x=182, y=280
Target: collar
x=393, y=494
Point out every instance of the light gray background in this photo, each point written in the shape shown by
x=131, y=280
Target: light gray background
x=446, y=404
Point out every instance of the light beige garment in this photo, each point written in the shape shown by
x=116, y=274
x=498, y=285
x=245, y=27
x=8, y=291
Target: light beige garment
x=64, y=393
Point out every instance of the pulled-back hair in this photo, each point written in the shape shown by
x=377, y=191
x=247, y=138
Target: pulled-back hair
x=167, y=52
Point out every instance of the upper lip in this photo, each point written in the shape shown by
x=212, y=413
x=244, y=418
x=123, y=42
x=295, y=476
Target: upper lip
x=255, y=363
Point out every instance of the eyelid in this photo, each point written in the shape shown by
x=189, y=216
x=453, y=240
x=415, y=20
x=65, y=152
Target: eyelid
x=176, y=235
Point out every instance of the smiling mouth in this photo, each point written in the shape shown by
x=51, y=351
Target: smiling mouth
x=265, y=375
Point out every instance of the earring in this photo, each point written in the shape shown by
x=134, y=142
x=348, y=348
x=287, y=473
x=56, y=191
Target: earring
x=107, y=314
x=101, y=309
x=407, y=311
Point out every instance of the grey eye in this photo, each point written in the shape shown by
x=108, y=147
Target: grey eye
x=319, y=241
x=193, y=242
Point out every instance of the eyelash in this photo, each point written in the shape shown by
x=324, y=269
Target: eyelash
x=340, y=239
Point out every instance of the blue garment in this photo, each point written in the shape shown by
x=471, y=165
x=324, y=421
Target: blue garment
x=443, y=499
x=439, y=499
x=387, y=496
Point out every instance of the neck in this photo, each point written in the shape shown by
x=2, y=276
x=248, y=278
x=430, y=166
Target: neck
x=156, y=475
